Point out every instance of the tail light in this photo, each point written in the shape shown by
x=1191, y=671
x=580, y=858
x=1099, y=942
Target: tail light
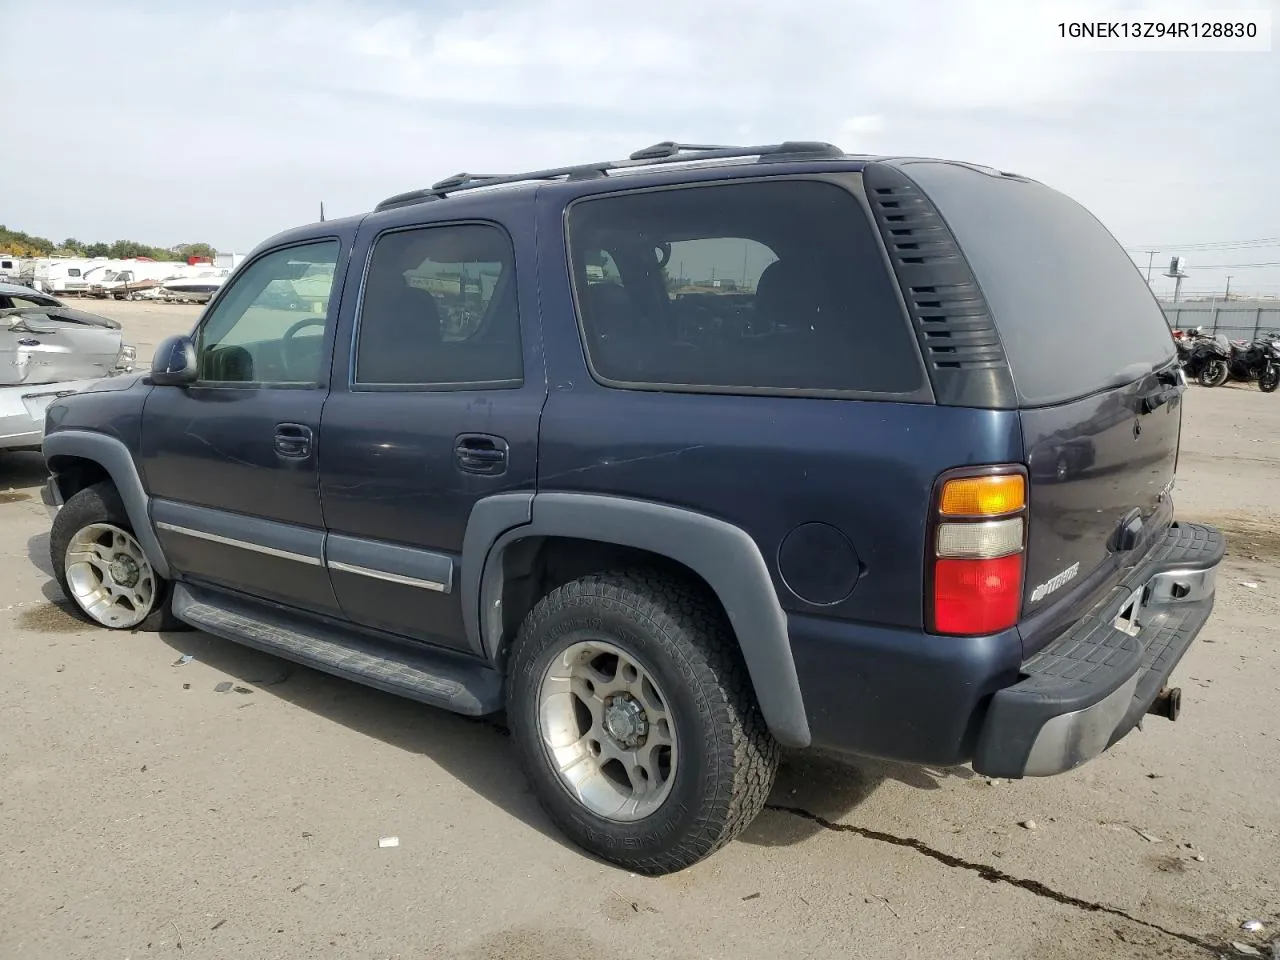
x=125, y=359
x=977, y=546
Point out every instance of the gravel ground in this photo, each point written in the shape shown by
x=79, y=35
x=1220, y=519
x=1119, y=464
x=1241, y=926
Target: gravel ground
x=144, y=814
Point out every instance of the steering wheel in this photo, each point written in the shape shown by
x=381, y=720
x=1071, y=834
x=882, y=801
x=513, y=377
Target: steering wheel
x=285, y=347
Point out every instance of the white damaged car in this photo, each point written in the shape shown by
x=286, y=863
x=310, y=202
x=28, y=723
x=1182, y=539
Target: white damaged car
x=49, y=350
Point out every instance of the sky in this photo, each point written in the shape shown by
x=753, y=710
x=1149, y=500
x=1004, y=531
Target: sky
x=229, y=121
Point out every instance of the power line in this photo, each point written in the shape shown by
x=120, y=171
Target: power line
x=1208, y=245
x=1234, y=266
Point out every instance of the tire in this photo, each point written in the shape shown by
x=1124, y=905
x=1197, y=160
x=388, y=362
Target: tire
x=97, y=515
x=721, y=763
x=1214, y=373
x=1269, y=378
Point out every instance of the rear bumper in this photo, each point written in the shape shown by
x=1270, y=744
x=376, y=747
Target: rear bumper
x=1092, y=685
x=22, y=410
x=944, y=701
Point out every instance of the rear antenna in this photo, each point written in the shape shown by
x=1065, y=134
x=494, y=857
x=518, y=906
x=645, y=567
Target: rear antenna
x=322, y=211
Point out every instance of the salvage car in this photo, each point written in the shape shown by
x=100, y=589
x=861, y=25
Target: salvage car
x=532, y=455
x=49, y=350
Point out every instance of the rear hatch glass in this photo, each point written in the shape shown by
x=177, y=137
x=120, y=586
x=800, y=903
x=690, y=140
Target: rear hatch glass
x=1092, y=363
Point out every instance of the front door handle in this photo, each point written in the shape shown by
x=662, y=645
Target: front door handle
x=480, y=453
x=293, y=440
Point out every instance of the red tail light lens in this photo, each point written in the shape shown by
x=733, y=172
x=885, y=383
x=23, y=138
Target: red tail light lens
x=979, y=529
x=973, y=597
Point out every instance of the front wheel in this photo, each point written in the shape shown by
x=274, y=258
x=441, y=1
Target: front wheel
x=636, y=722
x=101, y=567
x=1214, y=373
x=1269, y=379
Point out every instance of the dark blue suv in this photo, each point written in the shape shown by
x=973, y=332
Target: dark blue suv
x=676, y=460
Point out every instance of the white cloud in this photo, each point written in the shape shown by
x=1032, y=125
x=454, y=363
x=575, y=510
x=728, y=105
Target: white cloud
x=230, y=122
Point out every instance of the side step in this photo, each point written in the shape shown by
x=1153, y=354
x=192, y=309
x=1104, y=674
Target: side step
x=408, y=670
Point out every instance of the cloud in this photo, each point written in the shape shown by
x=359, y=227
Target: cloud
x=229, y=122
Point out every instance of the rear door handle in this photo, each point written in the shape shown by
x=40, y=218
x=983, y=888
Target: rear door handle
x=293, y=440
x=480, y=453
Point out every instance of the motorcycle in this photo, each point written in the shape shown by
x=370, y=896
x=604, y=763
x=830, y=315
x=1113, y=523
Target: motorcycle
x=1259, y=360
x=1205, y=359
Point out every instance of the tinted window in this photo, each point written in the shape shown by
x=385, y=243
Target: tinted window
x=439, y=309
x=772, y=285
x=1074, y=313
x=251, y=337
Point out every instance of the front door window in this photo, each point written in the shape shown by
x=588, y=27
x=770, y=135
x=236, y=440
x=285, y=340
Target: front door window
x=250, y=338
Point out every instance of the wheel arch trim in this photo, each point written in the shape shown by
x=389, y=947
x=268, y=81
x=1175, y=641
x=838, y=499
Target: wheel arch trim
x=114, y=457
x=724, y=555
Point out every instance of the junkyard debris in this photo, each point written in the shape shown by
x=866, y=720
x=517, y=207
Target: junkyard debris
x=1253, y=926
x=388, y=841
x=183, y=660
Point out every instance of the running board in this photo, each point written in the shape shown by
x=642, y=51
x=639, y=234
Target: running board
x=408, y=670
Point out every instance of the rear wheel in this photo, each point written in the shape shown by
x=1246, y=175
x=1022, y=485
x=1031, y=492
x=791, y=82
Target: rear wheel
x=1269, y=379
x=636, y=722
x=102, y=568
x=1214, y=373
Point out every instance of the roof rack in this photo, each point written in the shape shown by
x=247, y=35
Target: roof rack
x=666, y=152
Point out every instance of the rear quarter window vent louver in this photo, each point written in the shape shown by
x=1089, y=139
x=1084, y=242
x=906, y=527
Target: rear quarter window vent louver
x=952, y=319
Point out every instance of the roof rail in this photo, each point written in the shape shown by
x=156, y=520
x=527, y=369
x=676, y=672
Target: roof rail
x=666, y=152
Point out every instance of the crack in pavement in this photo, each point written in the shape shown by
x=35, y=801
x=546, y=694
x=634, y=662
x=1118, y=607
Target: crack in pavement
x=992, y=875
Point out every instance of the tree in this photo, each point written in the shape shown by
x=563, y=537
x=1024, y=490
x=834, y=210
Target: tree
x=185, y=250
x=19, y=244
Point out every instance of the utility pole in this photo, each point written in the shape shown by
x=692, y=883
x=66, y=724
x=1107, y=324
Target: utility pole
x=1227, y=295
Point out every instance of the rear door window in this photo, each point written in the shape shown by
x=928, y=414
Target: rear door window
x=439, y=311
x=765, y=286
x=1074, y=314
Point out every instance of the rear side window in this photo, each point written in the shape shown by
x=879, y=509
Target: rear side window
x=765, y=286
x=1074, y=314
x=439, y=310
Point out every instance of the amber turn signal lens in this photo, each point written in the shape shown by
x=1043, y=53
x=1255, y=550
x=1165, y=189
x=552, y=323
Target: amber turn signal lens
x=983, y=496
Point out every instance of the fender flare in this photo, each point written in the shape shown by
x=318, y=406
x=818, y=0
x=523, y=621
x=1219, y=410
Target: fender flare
x=114, y=457
x=722, y=554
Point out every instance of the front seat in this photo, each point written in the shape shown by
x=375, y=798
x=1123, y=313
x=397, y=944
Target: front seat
x=403, y=343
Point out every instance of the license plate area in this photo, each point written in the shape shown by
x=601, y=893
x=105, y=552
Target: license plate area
x=37, y=404
x=1127, y=620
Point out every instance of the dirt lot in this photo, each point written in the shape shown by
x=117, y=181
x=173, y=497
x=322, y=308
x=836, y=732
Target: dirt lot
x=144, y=814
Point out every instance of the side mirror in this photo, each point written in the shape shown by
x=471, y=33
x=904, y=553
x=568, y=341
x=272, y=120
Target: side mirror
x=174, y=363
